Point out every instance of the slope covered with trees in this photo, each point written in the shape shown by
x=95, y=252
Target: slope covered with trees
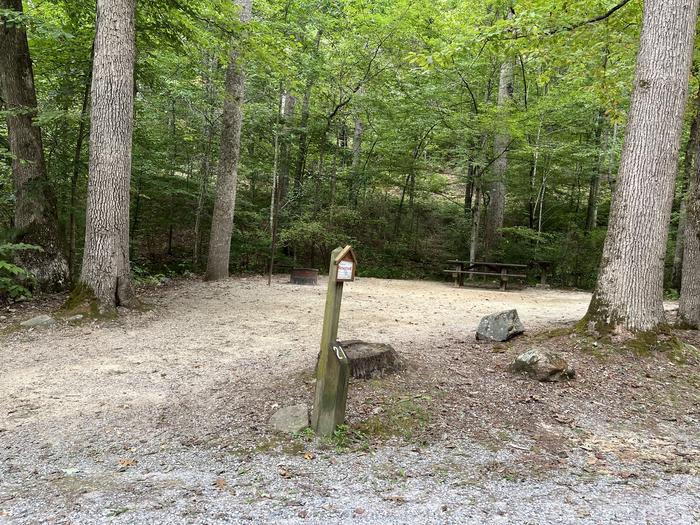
x=419, y=131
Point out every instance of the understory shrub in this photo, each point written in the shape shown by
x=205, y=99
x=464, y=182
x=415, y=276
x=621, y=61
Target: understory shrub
x=16, y=283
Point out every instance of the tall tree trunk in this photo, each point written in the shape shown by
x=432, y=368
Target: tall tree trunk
x=603, y=137
x=677, y=270
x=303, y=139
x=689, y=304
x=469, y=187
x=501, y=142
x=355, y=182
x=303, y=146
x=531, y=197
x=36, y=216
x=476, y=221
x=288, y=104
x=334, y=174
x=320, y=171
x=611, y=158
x=690, y=161
x=76, y=172
x=106, y=270
x=201, y=198
x=629, y=290
x=227, y=178
x=275, y=193
x=399, y=212
x=210, y=66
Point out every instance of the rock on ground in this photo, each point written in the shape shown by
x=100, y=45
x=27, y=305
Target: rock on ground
x=543, y=366
x=290, y=419
x=40, y=320
x=500, y=327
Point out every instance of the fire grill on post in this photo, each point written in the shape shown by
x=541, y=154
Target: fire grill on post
x=304, y=276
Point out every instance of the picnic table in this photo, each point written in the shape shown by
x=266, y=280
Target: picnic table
x=502, y=270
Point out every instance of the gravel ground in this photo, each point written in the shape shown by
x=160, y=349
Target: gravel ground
x=160, y=416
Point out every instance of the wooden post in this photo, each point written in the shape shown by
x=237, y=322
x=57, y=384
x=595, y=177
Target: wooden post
x=504, y=279
x=333, y=369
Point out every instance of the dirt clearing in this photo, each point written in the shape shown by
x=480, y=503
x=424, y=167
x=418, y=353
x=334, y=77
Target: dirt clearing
x=161, y=415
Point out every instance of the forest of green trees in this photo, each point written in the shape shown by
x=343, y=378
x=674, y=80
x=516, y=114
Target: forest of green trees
x=213, y=136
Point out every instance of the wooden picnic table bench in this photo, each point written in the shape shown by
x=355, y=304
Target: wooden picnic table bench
x=501, y=270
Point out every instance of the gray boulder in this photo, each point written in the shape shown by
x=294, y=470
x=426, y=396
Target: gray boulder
x=290, y=419
x=543, y=366
x=500, y=327
x=40, y=320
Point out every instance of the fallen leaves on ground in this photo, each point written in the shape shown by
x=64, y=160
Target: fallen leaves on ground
x=220, y=483
x=125, y=463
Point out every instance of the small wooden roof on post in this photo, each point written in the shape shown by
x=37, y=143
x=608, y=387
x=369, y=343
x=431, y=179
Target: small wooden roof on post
x=347, y=252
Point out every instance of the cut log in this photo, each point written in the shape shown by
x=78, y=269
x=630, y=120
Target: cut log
x=370, y=360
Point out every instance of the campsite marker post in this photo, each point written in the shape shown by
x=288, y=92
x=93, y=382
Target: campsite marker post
x=333, y=369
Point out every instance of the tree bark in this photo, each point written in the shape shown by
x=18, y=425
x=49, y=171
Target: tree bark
x=35, y=216
x=210, y=66
x=469, y=187
x=275, y=192
x=304, y=124
x=201, y=198
x=227, y=178
x=594, y=185
x=501, y=142
x=77, y=164
x=629, y=291
x=677, y=270
x=355, y=182
x=106, y=268
x=689, y=163
x=303, y=139
x=476, y=222
x=289, y=102
x=689, y=304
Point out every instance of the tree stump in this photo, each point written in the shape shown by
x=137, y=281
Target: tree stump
x=369, y=360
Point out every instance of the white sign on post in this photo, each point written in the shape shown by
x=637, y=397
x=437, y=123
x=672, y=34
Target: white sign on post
x=345, y=271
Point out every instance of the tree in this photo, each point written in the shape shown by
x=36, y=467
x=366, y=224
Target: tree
x=594, y=185
x=689, y=304
x=501, y=144
x=629, y=289
x=355, y=182
x=227, y=178
x=106, y=270
x=35, y=214
x=421, y=76
x=689, y=163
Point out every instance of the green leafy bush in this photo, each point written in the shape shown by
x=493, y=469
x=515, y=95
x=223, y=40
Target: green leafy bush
x=573, y=258
x=16, y=283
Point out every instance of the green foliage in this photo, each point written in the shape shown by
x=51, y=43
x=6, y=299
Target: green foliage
x=147, y=273
x=422, y=79
x=16, y=283
x=571, y=259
